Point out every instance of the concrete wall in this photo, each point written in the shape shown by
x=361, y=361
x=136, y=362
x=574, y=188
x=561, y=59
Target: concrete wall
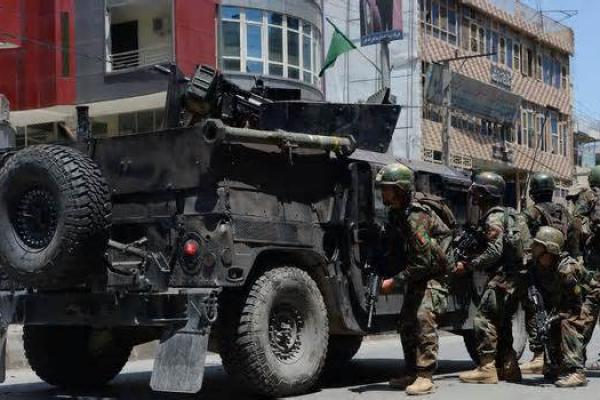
x=353, y=78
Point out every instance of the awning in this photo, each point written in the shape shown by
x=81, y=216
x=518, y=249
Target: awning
x=99, y=109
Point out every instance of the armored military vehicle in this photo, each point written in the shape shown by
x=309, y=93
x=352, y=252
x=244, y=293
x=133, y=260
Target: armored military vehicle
x=247, y=226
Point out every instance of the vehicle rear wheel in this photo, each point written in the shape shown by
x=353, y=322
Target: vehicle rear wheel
x=341, y=349
x=519, y=337
x=275, y=341
x=75, y=357
x=55, y=215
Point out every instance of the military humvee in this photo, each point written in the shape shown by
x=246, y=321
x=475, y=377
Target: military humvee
x=244, y=227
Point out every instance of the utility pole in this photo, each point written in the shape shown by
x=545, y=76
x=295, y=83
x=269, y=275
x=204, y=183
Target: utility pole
x=447, y=101
x=386, y=68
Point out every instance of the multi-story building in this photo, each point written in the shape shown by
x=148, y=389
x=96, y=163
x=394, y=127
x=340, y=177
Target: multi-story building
x=531, y=60
x=55, y=54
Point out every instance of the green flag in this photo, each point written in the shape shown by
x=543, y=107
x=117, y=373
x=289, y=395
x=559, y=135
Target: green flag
x=339, y=45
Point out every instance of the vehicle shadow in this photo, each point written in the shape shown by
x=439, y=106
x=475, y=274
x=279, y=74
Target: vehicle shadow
x=360, y=375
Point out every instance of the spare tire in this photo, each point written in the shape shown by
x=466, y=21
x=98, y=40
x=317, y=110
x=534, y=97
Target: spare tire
x=55, y=216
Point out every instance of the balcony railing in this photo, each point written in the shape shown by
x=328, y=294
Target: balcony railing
x=139, y=58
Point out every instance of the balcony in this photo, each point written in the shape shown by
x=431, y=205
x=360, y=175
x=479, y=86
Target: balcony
x=140, y=58
x=139, y=33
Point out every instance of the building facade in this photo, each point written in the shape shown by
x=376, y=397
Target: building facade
x=56, y=54
x=529, y=57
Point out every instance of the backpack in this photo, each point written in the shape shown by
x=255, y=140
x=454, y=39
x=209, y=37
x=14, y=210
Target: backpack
x=517, y=238
x=439, y=207
x=556, y=216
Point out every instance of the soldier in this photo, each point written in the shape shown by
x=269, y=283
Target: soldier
x=493, y=321
x=422, y=239
x=569, y=289
x=545, y=212
x=586, y=213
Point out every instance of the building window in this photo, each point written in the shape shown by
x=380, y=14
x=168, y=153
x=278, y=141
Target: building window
x=528, y=63
x=517, y=57
x=539, y=68
x=565, y=76
x=265, y=43
x=439, y=18
x=528, y=133
x=502, y=51
x=554, y=132
x=565, y=139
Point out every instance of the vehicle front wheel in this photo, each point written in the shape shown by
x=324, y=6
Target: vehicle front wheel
x=75, y=357
x=275, y=339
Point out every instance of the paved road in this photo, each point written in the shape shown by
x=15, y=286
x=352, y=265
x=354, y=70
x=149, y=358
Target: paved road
x=364, y=379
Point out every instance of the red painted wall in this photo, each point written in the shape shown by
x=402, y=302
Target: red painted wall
x=31, y=75
x=195, y=33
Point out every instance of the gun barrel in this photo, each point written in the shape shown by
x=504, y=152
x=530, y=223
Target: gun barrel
x=338, y=144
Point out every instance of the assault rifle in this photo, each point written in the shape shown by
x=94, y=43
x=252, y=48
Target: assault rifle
x=543, y=320
x=466, y=244
x=372, y=293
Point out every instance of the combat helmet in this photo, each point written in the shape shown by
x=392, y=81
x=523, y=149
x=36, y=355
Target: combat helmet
x=541, y=183
x=490, y=183
x=551, y=238
x=398, y=175
x=594, y=177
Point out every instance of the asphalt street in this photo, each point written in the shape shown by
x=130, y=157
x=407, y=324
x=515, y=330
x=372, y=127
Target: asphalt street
x=365, y=378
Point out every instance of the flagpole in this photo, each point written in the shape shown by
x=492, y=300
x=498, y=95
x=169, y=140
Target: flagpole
x=357, y=49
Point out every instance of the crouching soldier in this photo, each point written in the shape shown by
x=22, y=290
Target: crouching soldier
x=545, y=212
x=569, y=290
x=422, y=238
x=500, y=299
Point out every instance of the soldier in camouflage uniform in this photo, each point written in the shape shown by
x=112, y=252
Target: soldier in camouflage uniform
x=422, y=239
x=586, y=213
x=544, y=212
x=493, y=321
x=571, y=292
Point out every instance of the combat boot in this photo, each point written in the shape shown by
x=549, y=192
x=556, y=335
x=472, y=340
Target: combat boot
x=403, y=381
x=485, y=373
x=422, y=385
x=509, y=369
x=535, y=366
x=573, y=379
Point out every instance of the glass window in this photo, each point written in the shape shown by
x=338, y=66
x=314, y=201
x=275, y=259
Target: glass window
x=254, y=41
x=502, y=51
x=293, y=23
x=254, y=67
x=509, y=53
x=253, y=15
x=145, y=121
x=293, y=48
x=275, y=19
x=293, y=73
x=230, y=12
x=276, y=69
x=452, y=21
x=231, y=39
x=127, y=123
x=275, y=44
x=517, y=57
x=231, y=65
x=306, y=52
x=306, y=28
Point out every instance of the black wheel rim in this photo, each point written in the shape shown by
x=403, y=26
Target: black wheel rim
x=36, y=217
x=286, y=326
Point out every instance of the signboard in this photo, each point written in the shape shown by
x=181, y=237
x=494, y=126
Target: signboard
x=380, y=20
x=501, y=77
x=472, y=96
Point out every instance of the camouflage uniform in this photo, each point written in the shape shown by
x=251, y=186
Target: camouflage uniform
x=535, y=220
x=571, y=291
x=493, y=321
x=423, y=237
x=585, y=207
